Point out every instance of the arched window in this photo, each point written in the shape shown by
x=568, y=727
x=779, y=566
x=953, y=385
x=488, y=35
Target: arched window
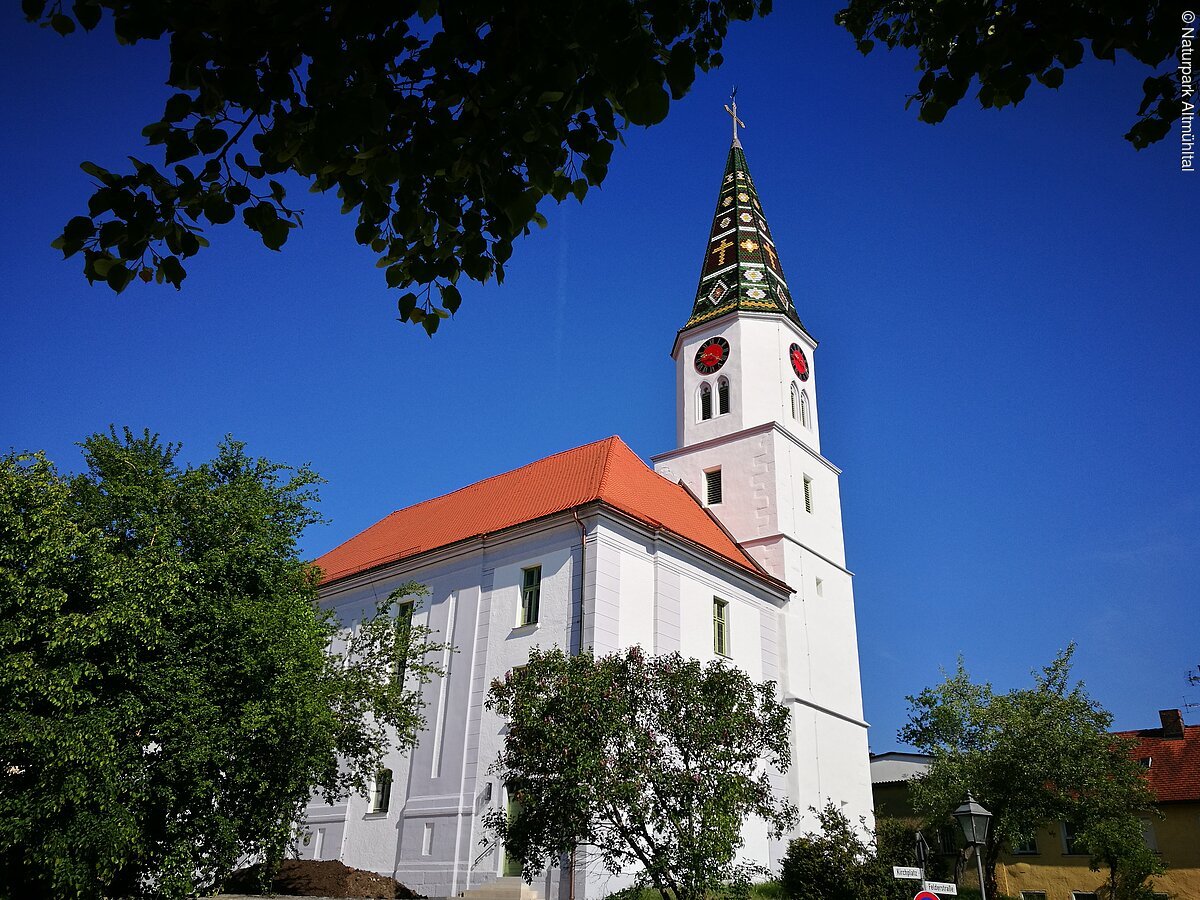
x=706, y=411
x=795, y=401
x=805, y=412
x=722, y=395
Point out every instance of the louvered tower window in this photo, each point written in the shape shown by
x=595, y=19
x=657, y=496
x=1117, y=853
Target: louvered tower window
x=795, y=401
x=805, y=419
x=722, y=396
x=807, y=494
x=712, y=486
x=706, y=411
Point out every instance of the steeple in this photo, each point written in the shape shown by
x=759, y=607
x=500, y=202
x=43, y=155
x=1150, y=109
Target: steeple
x=741, y=267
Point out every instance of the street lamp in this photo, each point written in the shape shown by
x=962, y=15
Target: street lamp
x=973, y=820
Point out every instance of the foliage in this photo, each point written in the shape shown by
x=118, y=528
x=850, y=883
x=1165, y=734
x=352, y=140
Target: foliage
x=653, y=761
x=896, y=842
x=1030, y=756
x=1007, y=44
x=1116, y=845
x=168, y=698
x=836, y=863
x=441, y=126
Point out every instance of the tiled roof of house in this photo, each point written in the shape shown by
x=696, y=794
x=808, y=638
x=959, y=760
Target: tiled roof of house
x=1174, y=772
x=606, y=471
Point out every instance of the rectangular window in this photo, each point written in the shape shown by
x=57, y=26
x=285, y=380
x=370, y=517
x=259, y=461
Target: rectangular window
x=722, y=396
x=381, y=791
x=1026, y=847
x=705, y=402
x=427, y=840
x=531, y=594
x=1071, y=844
x=807, y=494
x=820, y=587
x=404, y=617
x=1084, y=895
x=720, y=626
x=1033, y=895
x=1148, y=835
x=712, y=486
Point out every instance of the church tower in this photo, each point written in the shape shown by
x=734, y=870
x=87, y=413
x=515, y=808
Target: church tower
x=748, y=432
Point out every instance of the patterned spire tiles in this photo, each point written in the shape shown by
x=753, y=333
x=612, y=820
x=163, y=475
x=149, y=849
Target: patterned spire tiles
x=741, y=268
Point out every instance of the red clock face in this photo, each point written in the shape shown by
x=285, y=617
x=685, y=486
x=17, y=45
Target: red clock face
x=799, y=362
x=712, y=355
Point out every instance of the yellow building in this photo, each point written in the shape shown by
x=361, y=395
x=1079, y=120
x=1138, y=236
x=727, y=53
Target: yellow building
x=1051, y=867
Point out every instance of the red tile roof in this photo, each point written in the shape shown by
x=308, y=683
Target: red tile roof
x=606, y=471
x=1174, y=772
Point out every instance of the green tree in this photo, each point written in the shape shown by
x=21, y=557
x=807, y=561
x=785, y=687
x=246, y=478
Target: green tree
x=1004, y=46
x=1031, y=756
x=440, y=126
x=653, y=761
x=168, y=697
x=841, y=862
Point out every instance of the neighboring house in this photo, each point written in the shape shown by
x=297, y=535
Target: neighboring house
x=1051, y=866
x=731, y=547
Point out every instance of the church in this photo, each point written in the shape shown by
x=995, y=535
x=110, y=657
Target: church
x=730, y=546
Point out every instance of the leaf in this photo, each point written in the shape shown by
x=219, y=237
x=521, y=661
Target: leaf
x=406, y=304
x=451, y=299
x=218, y=210
x=79, y=229
x=64, y=25
x=88, y=14
x=118, y=277
x=647, y=104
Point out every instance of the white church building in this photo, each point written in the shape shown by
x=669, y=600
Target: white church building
x=731, y=546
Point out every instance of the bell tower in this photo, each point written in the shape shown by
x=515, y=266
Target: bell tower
x=749, y=447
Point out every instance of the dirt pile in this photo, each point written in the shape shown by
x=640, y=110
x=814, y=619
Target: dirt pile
x=324, y=878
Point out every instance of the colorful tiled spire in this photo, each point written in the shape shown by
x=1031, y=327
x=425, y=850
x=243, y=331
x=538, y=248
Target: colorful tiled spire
x=741, y=268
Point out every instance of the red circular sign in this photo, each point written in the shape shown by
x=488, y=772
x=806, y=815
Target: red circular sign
x=926, y=895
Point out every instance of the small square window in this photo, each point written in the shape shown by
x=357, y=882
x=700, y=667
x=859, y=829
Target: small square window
x=712, y=486
x=720, y=626
x=531, y=594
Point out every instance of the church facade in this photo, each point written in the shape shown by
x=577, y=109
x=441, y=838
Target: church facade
x=731, y=546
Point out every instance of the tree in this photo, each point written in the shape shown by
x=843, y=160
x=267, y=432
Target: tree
x=1005, y=45
x=653, y=761
x=441, y=126
x=168, y=696
x=1031, y=756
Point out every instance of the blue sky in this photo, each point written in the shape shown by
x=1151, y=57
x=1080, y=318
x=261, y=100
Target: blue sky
x=1005, y=304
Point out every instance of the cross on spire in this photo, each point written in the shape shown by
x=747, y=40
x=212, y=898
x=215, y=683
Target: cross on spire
x=731, y=108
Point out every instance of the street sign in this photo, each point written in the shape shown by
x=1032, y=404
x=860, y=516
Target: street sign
x=941, y=887
x=908, y=872
x=925, y=895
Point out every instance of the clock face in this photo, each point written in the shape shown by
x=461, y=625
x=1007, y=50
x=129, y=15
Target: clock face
x=799, y=361
x=712, y=355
